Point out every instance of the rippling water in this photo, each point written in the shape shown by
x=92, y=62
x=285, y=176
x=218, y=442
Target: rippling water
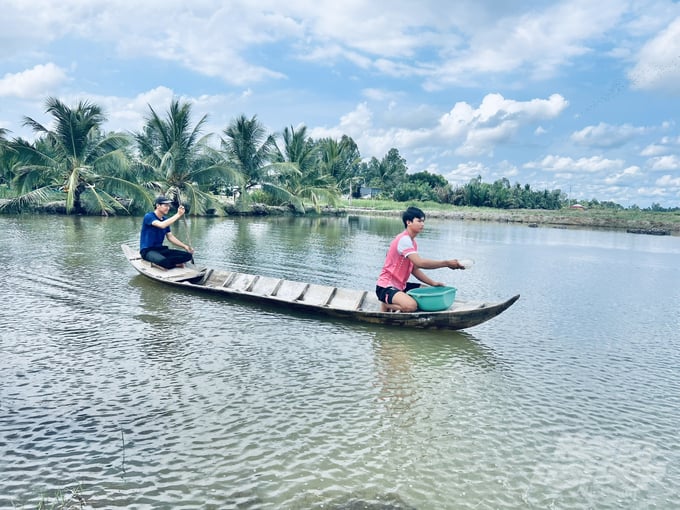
x=145, y=397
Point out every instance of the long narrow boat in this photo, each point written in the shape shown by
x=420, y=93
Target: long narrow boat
x=358, y=305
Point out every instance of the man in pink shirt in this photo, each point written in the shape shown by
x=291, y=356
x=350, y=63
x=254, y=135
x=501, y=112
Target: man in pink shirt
x=402, y=261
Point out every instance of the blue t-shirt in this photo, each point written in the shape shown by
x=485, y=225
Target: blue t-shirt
x=150, y=236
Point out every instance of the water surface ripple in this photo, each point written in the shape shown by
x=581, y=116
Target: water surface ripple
x=144, y=397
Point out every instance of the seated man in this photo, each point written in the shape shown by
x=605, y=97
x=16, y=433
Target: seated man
x=156, y=228
x=402, y=261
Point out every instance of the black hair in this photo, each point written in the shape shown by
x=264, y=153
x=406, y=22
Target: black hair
x=411, y=214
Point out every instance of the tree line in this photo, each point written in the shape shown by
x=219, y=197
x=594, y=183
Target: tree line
x=75, y=166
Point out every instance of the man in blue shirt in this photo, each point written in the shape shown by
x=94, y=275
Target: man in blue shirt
x=156, y=228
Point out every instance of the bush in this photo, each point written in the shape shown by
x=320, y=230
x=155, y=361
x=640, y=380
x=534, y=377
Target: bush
x=413, y=191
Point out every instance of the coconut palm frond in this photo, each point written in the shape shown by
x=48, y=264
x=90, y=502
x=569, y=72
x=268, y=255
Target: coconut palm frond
x=28, y=200
x=72, y=183
x=120, y=187
x=30, y=177
x=284, y=196
x=223, y=172
x=100, y=202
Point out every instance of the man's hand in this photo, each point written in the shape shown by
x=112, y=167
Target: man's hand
x=454, y=264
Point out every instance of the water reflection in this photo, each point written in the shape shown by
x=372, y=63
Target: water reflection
x=407, y=363
x=160, y=317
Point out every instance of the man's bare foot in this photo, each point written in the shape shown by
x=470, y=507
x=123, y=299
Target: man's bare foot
x=389, y=308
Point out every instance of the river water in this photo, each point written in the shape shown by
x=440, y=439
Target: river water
x=141, y=396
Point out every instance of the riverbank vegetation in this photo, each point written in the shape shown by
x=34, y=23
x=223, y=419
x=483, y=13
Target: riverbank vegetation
x=73, y=166
x=634, y=220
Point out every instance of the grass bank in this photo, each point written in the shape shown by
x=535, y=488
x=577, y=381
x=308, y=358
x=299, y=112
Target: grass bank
x=644, y=221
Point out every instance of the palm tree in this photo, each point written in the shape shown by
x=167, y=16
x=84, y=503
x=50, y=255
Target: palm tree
x=257, y=158
x=182, y=163
x=74, y=158
x=312, y=181
x=5, y=167
x=341, y=160
x=387, y=173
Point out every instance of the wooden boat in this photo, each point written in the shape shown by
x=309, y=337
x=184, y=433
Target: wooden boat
x=358, y=305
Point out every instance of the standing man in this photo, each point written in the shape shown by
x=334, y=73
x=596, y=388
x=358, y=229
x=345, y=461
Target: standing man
x=156, y=228
x=402, y=261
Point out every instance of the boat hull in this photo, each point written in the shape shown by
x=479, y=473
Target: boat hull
x=348, y=304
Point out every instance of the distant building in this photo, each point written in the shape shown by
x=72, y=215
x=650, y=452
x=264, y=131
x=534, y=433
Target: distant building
x=577, y=206
x=368, y=192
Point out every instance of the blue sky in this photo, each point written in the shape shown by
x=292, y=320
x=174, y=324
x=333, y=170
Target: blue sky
x=578, y=95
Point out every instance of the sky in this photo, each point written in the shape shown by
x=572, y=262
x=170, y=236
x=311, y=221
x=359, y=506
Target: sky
x=575, y=95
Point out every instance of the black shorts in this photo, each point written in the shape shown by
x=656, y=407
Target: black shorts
x=386, y=294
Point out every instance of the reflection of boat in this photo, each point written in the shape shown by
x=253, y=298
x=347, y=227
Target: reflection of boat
x=353, y=304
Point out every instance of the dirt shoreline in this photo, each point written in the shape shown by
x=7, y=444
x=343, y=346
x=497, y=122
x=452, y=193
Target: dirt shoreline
x=555, y=219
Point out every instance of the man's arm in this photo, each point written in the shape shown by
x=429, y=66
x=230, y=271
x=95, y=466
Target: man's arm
x=420, y=274
x=423, y=263
x=169, y=221
x=171, y=237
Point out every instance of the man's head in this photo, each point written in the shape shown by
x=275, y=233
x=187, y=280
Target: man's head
x=411, y=214
x=161, y=200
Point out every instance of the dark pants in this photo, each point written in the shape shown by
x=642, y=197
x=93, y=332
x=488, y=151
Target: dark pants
x=165, y=257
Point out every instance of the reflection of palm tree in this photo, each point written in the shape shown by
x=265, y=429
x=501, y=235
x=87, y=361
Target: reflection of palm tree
x=76, y=158
x=181, y=162
x=257, y=158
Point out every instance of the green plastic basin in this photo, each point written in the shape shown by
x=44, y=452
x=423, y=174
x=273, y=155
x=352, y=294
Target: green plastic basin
x=433, y=299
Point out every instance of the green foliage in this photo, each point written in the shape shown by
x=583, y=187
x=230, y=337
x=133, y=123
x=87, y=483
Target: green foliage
x=385, y=174
x=75, y=158
x=177, y=161
x=431, y=180
x=501, y=195
x=341, y=161
x=423, y=186
x=259, y=196
x=419, y=191
x=309, y=176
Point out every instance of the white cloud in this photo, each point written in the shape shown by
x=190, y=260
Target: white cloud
x=665, y=163
x=606, y=135
x=664, y=146
x=38, y=81
x=465, y=130
x=129, y=113
x=540, y=41
x=668, y=181
x=463, y=172
x=590, y=165
x=496, y=121
x=658, y=61
x=654, y=150
x=630, y=174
